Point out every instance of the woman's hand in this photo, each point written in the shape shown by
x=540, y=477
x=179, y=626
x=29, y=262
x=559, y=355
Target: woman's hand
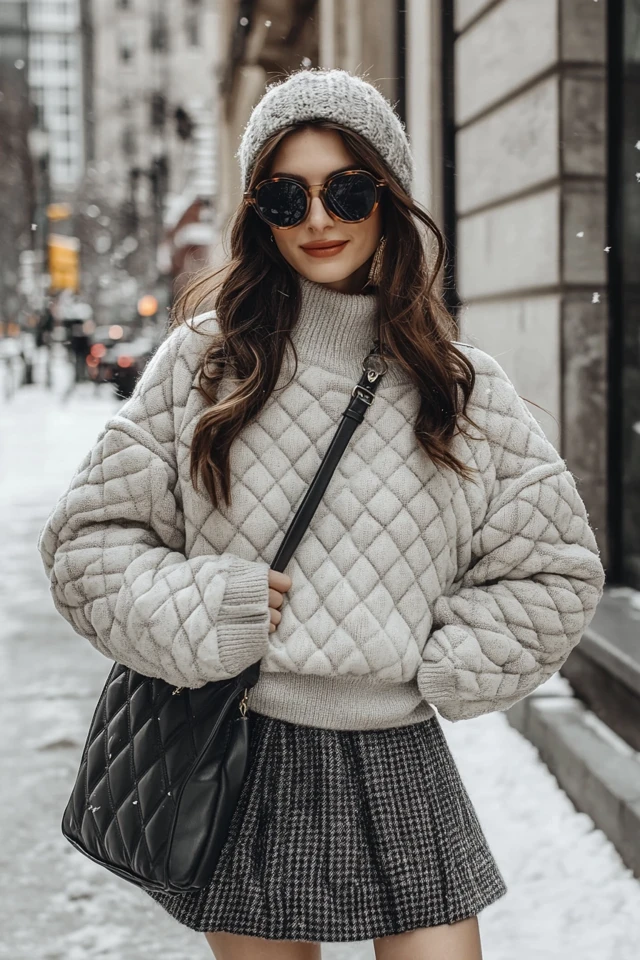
x=279, y=583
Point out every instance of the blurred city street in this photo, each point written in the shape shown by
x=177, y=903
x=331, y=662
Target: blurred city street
x=570, y=897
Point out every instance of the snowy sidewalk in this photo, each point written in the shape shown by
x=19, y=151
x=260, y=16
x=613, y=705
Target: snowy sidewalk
x=570, y=897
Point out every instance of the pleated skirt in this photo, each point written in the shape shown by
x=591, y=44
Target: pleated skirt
x=345, y=836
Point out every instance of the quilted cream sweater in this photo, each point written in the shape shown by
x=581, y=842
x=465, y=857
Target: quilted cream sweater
x=411, y=589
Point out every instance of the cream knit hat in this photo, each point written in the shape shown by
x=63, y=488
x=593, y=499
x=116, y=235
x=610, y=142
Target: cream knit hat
x=321, y=94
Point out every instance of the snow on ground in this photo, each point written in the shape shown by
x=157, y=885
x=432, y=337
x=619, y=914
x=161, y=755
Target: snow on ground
x=570, y=897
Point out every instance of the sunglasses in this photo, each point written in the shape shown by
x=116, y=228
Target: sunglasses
x=350, y=196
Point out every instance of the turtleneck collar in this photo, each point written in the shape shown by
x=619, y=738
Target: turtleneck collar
x=336, y=330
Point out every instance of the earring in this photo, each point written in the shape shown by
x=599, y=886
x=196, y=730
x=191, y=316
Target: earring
x=376, y=264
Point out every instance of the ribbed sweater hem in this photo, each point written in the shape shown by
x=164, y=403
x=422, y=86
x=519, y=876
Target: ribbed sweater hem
x=338, y=703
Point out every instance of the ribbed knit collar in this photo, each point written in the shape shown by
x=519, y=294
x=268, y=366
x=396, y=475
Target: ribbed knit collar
x=336, y=330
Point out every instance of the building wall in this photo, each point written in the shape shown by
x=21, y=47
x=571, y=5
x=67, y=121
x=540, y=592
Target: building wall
x=55, y=81
x=530, y=113
x=128, y=71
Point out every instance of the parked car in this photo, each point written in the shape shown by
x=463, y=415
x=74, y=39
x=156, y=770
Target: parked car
x=119, y=354
x=127, y=361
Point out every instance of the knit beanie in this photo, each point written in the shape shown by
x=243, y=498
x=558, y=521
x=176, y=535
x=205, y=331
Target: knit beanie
x=322, y=94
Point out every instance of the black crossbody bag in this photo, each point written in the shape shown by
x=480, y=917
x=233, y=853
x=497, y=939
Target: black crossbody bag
x=163, y=766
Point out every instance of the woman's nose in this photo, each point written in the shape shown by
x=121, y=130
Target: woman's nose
x=318, y=216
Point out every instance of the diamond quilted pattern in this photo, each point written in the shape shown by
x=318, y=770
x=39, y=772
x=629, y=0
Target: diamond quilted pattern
x=140, y=750
x=476, y=590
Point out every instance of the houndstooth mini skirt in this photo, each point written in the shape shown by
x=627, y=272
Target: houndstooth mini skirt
x=345, y=835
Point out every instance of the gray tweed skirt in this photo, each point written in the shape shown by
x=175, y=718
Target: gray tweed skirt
x=345, y=835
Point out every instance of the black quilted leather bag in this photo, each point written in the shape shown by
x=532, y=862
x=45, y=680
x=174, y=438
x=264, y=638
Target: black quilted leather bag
x=163, y=766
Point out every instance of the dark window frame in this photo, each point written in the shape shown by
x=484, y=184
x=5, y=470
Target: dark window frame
x=623, y=565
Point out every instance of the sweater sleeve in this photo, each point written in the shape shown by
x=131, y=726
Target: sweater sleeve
x=534, y=581
x=113, y=549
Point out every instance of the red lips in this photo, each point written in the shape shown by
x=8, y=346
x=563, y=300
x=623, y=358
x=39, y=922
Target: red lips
x=323, y=244
x=324, y=248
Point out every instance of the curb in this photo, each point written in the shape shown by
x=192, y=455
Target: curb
x=598, y=771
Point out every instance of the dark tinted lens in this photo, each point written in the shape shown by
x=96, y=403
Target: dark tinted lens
x=351, y=196
x=283, y=202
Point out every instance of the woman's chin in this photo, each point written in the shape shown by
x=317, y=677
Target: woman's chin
x=325, y=272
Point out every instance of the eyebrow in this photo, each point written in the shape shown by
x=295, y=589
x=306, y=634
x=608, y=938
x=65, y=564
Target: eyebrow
x=298, y=176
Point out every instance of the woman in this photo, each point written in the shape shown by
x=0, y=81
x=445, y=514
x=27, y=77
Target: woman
x=450, y=564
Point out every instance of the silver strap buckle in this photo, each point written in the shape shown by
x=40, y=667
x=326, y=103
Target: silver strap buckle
x=361, y=391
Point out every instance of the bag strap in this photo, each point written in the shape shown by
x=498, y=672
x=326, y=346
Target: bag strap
x=374, y=366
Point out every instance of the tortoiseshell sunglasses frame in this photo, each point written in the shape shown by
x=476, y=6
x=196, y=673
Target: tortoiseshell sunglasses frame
x=249, y=196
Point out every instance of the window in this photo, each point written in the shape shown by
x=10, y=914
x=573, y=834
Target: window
x=624, y=290
x=128, y=141
x=158, y=110
x=159, y=36
x=192, y=29
x=126, y=50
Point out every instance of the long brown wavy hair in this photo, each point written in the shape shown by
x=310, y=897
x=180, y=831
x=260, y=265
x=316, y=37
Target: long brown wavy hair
x=257, y=301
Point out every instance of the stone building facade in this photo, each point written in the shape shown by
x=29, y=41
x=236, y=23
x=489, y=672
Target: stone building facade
x=530, y=160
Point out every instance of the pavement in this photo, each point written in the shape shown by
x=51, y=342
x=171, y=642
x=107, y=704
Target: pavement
x=570, y=895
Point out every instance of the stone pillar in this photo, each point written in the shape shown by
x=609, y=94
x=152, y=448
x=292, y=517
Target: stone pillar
x=424, y=100
x=531, y=173
x=359, y=35
x=327, y=56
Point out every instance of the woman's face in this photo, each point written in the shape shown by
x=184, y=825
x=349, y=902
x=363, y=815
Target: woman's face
x=313, y=155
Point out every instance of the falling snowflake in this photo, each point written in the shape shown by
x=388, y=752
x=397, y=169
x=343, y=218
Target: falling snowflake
x=243, y=21
x=607, y=249
x=580, y=233
x=638, y=145
x=306, y=62
x=267, y=23
x=34, y=226
x=595, y=298
x=135, y=802
x=638, y=177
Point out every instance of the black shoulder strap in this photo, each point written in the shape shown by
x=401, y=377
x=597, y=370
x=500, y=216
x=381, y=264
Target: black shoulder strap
x=374, y=365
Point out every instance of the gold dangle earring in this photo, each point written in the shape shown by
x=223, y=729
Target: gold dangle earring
x=376, y=264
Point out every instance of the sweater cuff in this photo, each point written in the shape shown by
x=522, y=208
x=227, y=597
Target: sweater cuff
x=243, y=617
x=436, y=681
